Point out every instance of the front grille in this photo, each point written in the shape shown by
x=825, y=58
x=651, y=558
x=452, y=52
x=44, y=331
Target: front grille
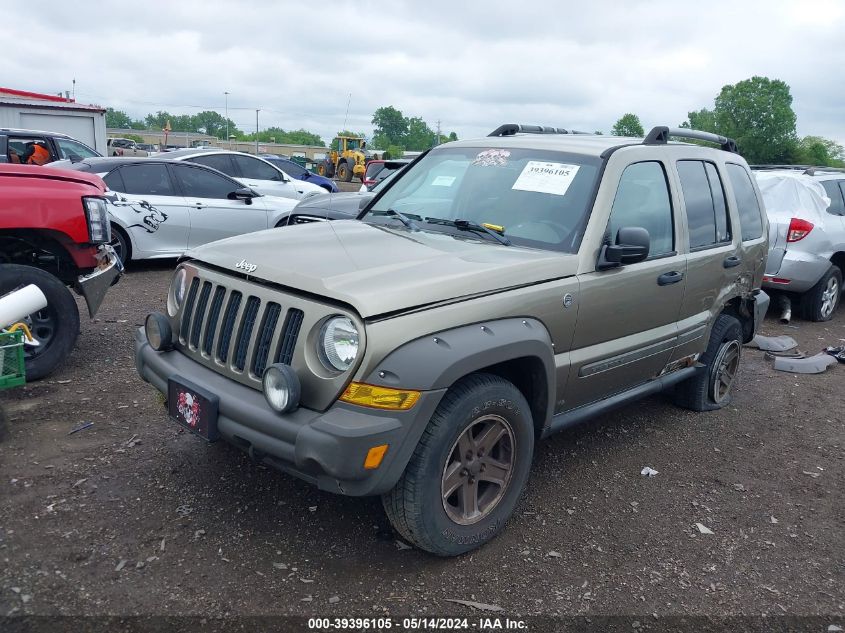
x=233, y=327
x=237, y=327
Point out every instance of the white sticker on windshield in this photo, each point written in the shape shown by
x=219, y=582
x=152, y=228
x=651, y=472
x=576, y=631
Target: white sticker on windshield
x=542, y=177
x=443, y=181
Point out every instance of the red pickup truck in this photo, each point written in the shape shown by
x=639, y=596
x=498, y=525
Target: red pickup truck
x=54, y=233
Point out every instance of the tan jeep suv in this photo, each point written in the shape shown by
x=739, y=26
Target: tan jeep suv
x=495, y=292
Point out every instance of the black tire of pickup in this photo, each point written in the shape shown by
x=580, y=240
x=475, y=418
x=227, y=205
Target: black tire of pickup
x=710, y=389
x=421, y=509
x=57, y=325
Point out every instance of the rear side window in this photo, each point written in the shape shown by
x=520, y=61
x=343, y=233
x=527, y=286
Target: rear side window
x=221, y=162
x=642, y=200
x=750, y=219
x=254, y=168
x=832, y=188
x=290, y=168
x=146, y=180
x=114, y=181
x=704, y=198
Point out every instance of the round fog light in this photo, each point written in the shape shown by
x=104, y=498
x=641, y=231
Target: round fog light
x=158, y=331
x=281, y=387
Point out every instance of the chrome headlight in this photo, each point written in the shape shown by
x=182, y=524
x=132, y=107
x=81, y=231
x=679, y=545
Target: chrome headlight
x=178, y=290
x=338, y=343
x=99, y=229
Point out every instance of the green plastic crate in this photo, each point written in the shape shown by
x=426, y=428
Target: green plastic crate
x=12, y=369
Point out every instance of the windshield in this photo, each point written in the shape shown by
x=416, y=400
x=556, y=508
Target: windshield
x=535, y=198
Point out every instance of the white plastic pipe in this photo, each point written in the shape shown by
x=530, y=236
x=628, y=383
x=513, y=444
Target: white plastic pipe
x=20, y=303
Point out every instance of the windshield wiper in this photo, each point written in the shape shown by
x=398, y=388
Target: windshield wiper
x=404, y=219
x=467, y=225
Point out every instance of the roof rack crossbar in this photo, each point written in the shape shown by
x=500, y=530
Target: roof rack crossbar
x=509, y=129
x=660, y=134
x=809, y=170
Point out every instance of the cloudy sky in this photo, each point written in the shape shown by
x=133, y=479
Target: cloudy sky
x=471, y=65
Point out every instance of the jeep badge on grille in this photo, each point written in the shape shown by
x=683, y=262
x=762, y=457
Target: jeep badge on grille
x=245, y=265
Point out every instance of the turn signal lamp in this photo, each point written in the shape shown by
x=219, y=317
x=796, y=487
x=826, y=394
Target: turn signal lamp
x=374, y=457
x=380, y=397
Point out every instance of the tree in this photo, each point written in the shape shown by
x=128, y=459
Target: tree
x=816, y=150
x=212, y=122
x=390, y=126
x=703, y=120
x=419, y=136
x=628, y=125
x=118, y=119
x=757, y=113
x=453, y=136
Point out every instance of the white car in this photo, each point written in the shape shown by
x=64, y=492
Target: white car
x=806, y=209
x=254, y=172
x=162, y=208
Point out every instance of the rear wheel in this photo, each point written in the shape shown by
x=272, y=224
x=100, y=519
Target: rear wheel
x=820, y=302
x=468, y=470
x=55, y=327
x=710, y=389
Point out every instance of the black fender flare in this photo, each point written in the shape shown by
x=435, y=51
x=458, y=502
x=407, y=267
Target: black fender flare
x=438, y=360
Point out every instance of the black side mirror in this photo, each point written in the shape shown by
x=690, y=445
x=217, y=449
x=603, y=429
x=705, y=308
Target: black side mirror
x=244, y=193
x=631, y=246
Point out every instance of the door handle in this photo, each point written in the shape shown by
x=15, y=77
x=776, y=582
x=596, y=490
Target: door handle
x=672, y=277
x=199, y=205
x=731, y=261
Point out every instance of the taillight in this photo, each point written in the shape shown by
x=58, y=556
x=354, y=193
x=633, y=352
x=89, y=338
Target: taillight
x=798, y=229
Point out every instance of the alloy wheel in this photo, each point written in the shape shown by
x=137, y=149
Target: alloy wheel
x=726, y=366
x=478, y=469
x=830, y=297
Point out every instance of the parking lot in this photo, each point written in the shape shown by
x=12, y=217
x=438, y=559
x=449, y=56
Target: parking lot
x=134, y=516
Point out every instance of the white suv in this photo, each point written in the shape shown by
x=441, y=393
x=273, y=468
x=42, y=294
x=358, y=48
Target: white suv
x=806, y=209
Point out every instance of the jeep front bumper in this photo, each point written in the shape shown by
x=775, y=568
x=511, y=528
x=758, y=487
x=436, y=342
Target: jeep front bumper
x=327, y=448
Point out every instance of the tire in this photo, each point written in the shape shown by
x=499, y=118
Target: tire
x=820, y=302
x=325, y=169
x=55, y=327
x=344, y=173
x=710, y=389
x=440, y=523
x=121, y=244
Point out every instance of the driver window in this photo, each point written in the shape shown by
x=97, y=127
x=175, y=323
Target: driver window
x=72, y=150
x=198, y=182
x=642, y=199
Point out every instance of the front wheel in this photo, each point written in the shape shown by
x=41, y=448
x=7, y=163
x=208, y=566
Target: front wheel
x=344, y=173
x=468, y=470
x=55, y=327
x=710, y=389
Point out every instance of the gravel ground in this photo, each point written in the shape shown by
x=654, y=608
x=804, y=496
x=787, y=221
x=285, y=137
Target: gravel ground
x=133, y=516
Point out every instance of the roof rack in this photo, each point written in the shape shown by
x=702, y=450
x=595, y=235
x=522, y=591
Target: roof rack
x=809, y=170
x=660, y=134
x=509, y=129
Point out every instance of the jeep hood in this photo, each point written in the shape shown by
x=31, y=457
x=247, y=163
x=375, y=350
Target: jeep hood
x=379, y=270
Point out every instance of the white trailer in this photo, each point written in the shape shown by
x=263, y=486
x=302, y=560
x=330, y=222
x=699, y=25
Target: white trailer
x=33, y=111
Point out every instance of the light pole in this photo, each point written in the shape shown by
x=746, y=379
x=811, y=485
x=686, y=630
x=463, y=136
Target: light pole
x=256, y=131
x=227, y=118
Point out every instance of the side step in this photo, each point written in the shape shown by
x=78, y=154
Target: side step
x=568, y=419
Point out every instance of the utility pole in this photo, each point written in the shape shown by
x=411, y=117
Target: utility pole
x=348, y=101
x=256, y=131
x=437, y=138
x=227, y=119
